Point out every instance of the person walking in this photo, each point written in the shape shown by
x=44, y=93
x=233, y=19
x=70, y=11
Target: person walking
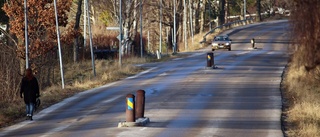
x=29, y=90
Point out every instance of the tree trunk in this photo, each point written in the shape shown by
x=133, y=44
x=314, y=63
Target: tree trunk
x=135, y=22
x=128, y=21
x=185, y=38
x=191, y=19
x=242, y=10
x=76, y=28
x=203, y=15
x=169, y=38
x=222, y=12
x=178, y=24
x=135, y=19
x=259, y=11
x=93, y=13
x=22, y=63
x=226, y=11
x=196, y=19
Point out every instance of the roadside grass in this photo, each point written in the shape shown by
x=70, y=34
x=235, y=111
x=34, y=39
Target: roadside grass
x=11, y=112
x=195, y=43
x=302, y=93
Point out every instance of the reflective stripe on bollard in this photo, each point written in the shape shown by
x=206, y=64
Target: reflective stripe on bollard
x=130, y=108
x=210, y=59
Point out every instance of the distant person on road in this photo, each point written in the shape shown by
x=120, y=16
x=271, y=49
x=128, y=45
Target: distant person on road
x=29, y=90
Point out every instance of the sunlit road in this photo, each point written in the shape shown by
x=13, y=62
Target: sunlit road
x=241, y=98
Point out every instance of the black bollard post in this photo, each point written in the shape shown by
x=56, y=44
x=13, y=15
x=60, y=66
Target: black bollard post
x=140, y=104
x=210, y=59
x=130, y=108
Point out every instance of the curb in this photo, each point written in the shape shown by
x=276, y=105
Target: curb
x=139, y=122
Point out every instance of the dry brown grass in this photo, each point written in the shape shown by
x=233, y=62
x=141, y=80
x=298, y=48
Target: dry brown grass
x=302, y=78
x=195, y=44
x=12, y=114
x=303, y=95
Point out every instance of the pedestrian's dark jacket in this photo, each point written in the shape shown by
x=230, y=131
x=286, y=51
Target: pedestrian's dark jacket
x=30, y=89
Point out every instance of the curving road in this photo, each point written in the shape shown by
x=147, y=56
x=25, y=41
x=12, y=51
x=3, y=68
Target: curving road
x=241, y=98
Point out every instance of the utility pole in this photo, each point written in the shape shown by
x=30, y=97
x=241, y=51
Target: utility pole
x=141, y=44
x=191, y=23
x=174, y=28
x=59, y=45
x=26, y=32
x=84, y=23
x=148, y=41
x=120, y=31
x=244, y=9
x=90, y=36
x=185, y=25
x=160, y=32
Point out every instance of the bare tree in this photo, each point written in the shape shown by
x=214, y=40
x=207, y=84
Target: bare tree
x=258, y=4
x=76, y=28
x=222, y=4
x=203, y=15
x=306, y=32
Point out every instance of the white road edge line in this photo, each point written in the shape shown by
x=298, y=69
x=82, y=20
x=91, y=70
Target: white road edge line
x=177, y=59
x=196, y=54
x=144, y=72
x=163, y=74
x=143, y=128
x=242, y=53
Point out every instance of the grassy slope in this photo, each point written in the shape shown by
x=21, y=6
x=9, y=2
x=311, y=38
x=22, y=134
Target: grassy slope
x=302, y=94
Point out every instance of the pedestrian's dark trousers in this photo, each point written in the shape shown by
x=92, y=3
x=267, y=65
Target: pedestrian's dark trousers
x=29, y=109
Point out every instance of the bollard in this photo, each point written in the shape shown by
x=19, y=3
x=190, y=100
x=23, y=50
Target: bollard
x=130, y=108
x=210, y=59
x=253, y=43
x=140, y=104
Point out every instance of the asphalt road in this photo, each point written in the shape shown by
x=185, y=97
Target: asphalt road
x=241, y=98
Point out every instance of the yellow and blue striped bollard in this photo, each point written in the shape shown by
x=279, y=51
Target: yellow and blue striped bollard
x=130, y=108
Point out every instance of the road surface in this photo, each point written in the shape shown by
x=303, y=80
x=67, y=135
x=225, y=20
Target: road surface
x=241, y=98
